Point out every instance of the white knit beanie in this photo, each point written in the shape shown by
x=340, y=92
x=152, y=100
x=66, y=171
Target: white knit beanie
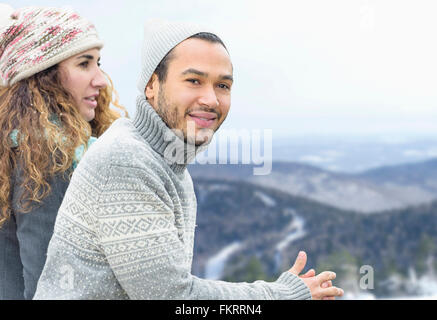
x=33, y=39
x=160, y=36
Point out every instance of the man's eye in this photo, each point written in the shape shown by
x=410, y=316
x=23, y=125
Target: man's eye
x=193, y=81
x=224, y=86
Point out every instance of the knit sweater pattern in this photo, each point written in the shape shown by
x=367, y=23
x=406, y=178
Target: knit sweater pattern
x=125, y=229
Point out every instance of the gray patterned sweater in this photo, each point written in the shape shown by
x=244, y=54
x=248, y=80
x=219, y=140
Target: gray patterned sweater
x=125, y=229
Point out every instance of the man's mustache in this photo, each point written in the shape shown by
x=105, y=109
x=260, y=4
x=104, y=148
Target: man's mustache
x=204, y=109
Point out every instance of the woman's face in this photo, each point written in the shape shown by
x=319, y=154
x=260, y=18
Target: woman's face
x=82, y=77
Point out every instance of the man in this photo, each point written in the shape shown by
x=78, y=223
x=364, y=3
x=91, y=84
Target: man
x=125, y=229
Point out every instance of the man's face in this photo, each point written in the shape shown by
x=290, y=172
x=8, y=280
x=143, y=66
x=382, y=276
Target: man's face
x=195, y=97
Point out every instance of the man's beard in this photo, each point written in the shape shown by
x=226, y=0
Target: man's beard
x=169, y=114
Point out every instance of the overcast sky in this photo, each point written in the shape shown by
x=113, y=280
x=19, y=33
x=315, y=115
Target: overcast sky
x=315, y=66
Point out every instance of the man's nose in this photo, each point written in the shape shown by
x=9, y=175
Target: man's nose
x=99, y=80
x=209, y=97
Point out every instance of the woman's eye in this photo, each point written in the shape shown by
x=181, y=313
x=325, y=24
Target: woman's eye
x=84, y=64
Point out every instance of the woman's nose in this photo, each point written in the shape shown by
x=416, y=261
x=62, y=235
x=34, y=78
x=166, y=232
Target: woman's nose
x=99, y=80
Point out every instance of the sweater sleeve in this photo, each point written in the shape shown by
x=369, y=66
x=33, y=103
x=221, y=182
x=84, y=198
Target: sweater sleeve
x=146, y=251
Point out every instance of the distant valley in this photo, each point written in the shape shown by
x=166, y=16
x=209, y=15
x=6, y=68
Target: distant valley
x=251, y=227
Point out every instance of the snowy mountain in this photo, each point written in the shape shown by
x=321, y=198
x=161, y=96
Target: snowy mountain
x=385, y=188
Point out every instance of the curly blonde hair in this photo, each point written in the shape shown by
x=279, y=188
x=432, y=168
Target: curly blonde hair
x=44, y=147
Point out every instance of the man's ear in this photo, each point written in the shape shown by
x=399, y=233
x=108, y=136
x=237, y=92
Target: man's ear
x=152, y=88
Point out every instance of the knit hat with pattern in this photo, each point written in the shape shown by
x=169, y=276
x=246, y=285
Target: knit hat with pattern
x=160, y=36
x=33, y=39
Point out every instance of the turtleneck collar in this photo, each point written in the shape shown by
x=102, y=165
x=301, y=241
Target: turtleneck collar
x=162, y=139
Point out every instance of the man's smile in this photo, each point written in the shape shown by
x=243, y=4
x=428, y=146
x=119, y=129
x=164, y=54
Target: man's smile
x=203, y=119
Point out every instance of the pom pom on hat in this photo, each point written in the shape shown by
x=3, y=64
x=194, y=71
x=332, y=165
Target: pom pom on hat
x=5, y=16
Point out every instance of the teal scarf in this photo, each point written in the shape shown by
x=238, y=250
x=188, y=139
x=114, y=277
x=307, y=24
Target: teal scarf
x=79, y=152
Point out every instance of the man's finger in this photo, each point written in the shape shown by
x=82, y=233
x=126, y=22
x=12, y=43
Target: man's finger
x=332, y=292
x=326, y=276
x=310, y=273
x=299, y=264
x=326, y=284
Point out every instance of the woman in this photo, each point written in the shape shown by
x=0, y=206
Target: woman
x=54, y=100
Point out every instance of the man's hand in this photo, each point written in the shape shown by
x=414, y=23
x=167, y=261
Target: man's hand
x=321, y=285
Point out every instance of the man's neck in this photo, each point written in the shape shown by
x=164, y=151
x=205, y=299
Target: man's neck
x=162, y=139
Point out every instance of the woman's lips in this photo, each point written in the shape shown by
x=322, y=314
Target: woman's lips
x=91, y=101
x=203, y=119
